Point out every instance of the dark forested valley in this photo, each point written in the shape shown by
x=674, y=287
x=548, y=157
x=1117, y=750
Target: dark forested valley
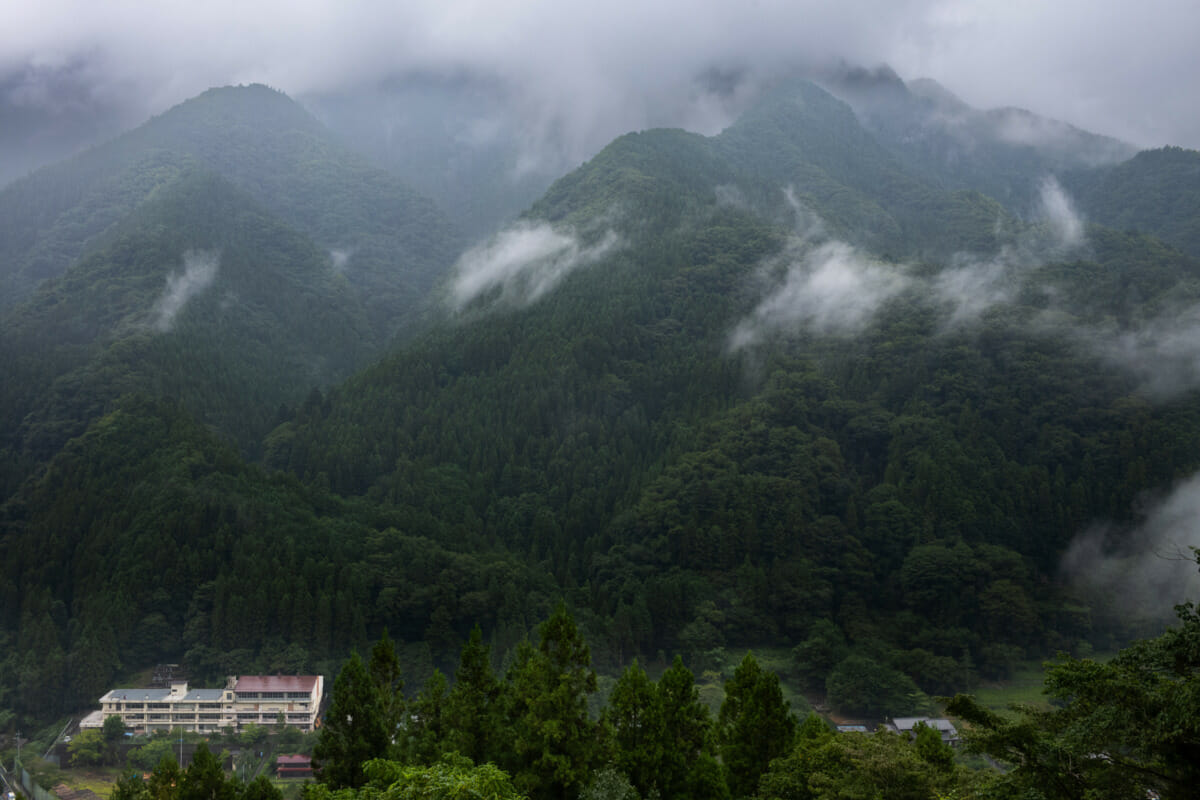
x=836, y=382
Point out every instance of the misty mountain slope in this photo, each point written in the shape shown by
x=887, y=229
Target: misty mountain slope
x=148, y=539
x=728, y=431
x=1156, y=191
x=621, y=336
x=800, y=136
x=652, y=177
x=200, y=295
x=391, y=243
x=798, y=151
x=458, y=141
x=706, y=413
x=1004, y=153
x=51, y=216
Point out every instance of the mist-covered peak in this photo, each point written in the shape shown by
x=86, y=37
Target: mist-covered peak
x=255, y=104
x=879, y=79
x=1005, y=153
x=266, y=144
x=937, y=94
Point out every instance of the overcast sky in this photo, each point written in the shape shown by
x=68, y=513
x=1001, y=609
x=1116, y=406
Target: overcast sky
x=1126, y=69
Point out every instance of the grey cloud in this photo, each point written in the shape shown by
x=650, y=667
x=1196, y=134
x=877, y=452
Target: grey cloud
x=1152, y=570
x=586, y=72
x=524, y=262
x=1058, y=210
x=339, y=258
x=1163, y=354
x=199, y=271
x=973, y=283
x=832, y=288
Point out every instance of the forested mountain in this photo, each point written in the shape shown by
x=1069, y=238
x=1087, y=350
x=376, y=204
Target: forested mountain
x=459, y=141
x=1001, y=152
x=784, y=386
x=1156, y=191
x=910, y=460
x=149, y=538
x=391, y=243
x=228, y=253
x=199, y=295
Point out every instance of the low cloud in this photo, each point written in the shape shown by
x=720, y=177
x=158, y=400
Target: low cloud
x=1153, y=568
x=1164, y=354
x=523, y=263
x=199, y=271
x=831, y=289
x=973, y=284
x=338, y=259
x=972, y=287
x=1058, y=210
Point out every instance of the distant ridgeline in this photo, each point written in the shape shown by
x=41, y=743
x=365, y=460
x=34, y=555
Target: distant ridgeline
x=800, y=385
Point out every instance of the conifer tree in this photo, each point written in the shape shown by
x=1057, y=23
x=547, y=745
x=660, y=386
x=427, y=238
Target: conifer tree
x=554, y=741
x=356, y=728
x=384, y=669
x=755, y=725
x=204, y=779
x=165, y=780
x=689, y=768
x=472, y=706
x=634, y=726
x=426, y=734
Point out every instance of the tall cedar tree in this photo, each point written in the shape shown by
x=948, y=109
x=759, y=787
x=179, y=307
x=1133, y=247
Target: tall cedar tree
x=425, y=739
x=634, y=725
x=755, y=725
x=204, y=779
x=384, y=668
x=554, y=742
x=689, y=768
x=472, y=713
x=356, y=728
x=660, y=735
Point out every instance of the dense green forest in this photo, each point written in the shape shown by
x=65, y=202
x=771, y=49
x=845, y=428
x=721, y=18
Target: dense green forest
x=305, y=262
x=1119, y=729
x=776, y=388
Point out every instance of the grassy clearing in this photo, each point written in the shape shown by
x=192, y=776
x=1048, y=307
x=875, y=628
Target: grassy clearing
x=101, y=780
x=1025, y=686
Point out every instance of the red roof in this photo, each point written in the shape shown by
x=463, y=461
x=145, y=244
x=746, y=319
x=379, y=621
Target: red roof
x=275, y=683
x=294, y=760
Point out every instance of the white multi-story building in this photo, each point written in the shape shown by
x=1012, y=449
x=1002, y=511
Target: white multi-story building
x=258, y=699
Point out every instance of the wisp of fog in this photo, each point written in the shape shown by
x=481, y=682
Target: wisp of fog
x=524, y=261
x=199, y=271
x=973, y=283
x=831, y=289
x=1153, y=569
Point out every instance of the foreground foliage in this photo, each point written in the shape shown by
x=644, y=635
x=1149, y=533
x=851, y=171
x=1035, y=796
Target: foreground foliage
x=1121, y=728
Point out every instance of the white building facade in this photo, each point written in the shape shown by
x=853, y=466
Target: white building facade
x=247, y=699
